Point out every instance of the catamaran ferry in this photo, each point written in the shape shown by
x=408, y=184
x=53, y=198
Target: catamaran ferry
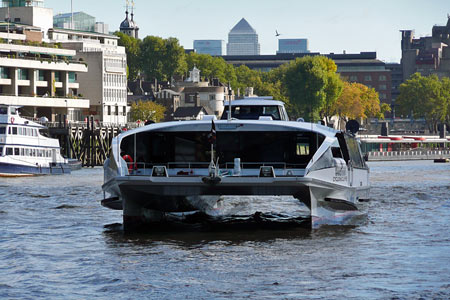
x=25, y=148
x=185, y=166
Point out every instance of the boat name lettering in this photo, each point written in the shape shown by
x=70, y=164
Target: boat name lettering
x=339, y=178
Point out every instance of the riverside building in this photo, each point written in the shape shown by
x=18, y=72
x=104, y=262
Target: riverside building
x=37, y=76
x=106, y=82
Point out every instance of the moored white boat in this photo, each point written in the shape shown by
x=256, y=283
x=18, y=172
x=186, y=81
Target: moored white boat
x=167, y=167
x=25, y=150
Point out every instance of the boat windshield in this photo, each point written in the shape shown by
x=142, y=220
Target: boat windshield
x=44, y=132
x=294, y=149
x=252, y=112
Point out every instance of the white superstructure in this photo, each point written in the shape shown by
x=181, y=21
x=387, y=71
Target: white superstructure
x=185, y=166
x=25, y=149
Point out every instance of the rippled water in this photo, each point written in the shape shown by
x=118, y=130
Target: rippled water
x=54, y=245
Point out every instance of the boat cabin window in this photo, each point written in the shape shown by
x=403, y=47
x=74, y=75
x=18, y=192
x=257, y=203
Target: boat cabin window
x=13, y=110
x=2, y=130
x=9, y=151
x=252, y=112
x=14, y=130
x=44, y=132
x=355, y=152
x=293, y=149
x=1, y=151
x=3, y=110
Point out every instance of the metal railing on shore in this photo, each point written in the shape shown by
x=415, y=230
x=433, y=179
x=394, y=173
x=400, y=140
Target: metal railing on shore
x=408, y=155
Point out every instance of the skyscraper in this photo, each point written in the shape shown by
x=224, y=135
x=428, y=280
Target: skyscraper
x=243, y=40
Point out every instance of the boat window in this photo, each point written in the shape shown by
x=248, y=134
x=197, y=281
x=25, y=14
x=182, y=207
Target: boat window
x=336, y=152
x=20, y=131
x=3, y=110
x=2, y=130
x=252, y=112
x=17, y=151
x=354, y=152
x=1, y=151
x=14, y=130
x=13, y=110
x=44, y=132
x=9, y=130
x=9, y=151
x=22, y=152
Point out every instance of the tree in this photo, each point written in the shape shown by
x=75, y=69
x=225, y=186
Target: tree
x=146, y=111
x=424, y=97
x=133, y=51
x=212, y=67
x=162, y=58
x=312, y=86
x=445, y=92
x=358, y=101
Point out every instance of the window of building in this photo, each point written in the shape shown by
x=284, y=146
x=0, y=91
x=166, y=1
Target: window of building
x=57, y=76
x=72, y=77
x=4, y=73
x=22, y=74
x=109, y=110
x=383, y=96
x=382, y=87
x=382, y=78
x=353, y=78
x=212, y=97
x=367, y=78
x=41, y=75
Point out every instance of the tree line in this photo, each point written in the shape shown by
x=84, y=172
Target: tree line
x=310, y=86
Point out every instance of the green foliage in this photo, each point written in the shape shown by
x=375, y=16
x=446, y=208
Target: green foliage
x=162, y=58
x=147, y=110
x=425, y=97
x=312, y=86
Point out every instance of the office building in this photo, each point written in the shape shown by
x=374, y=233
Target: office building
x=243, y=40
x=41, y=79
x=426, y=55
x=106, y=82
x=292, y=46
x=211, y=47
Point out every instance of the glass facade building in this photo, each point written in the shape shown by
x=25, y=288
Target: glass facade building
x=81, y=21
x=211, y=47
x=293, y=46
x=22, y=3
x=243, y=40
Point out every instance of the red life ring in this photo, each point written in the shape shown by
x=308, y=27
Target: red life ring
x=12, y=120
x=129, y=162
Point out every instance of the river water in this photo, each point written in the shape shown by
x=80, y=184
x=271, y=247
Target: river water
x=57, y=242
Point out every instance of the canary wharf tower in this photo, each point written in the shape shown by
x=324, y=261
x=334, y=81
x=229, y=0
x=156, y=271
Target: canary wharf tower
x=243, y=40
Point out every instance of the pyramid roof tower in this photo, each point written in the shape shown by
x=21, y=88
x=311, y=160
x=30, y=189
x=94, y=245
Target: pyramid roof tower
x=243, y=40
x=242, y=27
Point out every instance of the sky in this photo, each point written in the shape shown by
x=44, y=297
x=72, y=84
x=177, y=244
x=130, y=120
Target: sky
x=331, y=26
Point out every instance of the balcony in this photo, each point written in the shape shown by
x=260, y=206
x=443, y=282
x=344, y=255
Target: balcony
x=42, y=64
x=56, y=102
